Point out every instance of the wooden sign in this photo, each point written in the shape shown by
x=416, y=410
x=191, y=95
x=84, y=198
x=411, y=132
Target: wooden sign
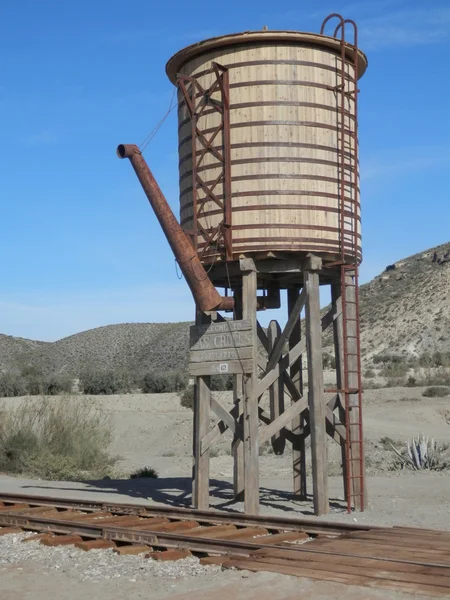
x=221, y=348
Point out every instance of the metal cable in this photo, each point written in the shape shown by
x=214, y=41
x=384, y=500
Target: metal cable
x=143, y=145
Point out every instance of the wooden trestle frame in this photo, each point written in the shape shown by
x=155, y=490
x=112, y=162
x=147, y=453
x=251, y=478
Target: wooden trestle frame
x=280, y=374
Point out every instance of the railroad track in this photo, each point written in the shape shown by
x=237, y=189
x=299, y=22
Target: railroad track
x=406, y=559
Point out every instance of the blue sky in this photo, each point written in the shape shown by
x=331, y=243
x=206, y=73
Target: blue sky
x=80, y=246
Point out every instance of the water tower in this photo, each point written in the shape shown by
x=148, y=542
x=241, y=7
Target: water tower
x=269, y=204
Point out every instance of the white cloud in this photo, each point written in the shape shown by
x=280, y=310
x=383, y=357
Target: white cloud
x=405, y=28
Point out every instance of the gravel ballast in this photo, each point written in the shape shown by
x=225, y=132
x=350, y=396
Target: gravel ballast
x=95, y=565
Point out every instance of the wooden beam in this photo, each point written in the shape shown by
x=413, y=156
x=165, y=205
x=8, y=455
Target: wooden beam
x=289, y=385
x=237, y=445
x=276, y=395
x=202, y=395
x=289, y=414
x=280, y=368
x=251, y=446
x=294, y=316
x=336, y=299
x=225, y=416
x=296, y=373
x=316, y=395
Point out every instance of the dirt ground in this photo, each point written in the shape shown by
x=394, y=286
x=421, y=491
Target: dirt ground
x=155, y=431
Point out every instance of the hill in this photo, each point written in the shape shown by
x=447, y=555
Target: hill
x=134, y=347
x=404, y=310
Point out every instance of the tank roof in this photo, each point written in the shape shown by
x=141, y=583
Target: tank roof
x=175, y=63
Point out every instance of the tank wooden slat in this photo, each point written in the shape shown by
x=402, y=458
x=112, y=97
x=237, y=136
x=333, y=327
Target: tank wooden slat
x=283, y=194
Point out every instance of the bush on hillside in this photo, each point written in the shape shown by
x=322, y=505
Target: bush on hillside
x=158, y=383
x=63, y=439
x=395, y=369
x=222, y=383
x=328, y=361
x=12, y=386
x=187, y=398
x=436, y=392
x=95, y=383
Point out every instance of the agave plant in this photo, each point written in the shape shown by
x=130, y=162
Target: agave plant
x=423, y=453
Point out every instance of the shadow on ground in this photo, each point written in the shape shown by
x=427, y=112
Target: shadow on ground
x=176, y=491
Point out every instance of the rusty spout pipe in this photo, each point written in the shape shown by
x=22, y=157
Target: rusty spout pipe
x=205, y=294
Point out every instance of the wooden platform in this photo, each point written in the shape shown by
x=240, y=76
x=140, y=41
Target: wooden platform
x=397, y=558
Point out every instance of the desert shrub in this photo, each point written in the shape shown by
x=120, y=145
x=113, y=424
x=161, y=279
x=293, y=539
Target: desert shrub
x=55, y=439
x=158, y=383
x=387, y=359
x=436, y=392
x=144, y=472
x=437, y=359
x=187, y=397
x=394, y=369
x=411, y=381
x=103, y=383
x=422, y=454
x=439, y=376
x=328, y=361
x=369, y=374
x=49, y=386
x=222, y=383
x=12, y=385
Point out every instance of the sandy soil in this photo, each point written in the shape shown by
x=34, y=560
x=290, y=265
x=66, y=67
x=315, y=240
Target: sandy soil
x=156, y=431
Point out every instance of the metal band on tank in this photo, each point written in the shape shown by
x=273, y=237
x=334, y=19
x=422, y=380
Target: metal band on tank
x=256, y=207
x=287, y=193
x=276, y=159
x=328, y=107
x=242, y=145
x=256, y=63
x=252, y=177
x=281, y=159
x=267, y=123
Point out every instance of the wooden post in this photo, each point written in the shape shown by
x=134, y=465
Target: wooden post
x=336, y=300
x=296, y=372
x=251, y=420
x=202, y=410
x=316, y=400
x=237, y=447
x=356, y=449
x=276, y=393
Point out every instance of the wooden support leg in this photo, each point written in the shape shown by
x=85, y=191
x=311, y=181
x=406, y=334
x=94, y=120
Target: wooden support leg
x=237, y=447
x=276, y=394
x=316, y=399
x=296, y=372
x=251, y=445
x=202, y=410
x=336, y=300
x=356, y=451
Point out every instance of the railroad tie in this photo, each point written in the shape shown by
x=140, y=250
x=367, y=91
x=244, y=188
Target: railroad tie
x=172, y=554
x=60, y=540
x=7, y=530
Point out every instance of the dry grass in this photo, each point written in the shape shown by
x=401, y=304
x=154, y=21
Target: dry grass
x=60, y=438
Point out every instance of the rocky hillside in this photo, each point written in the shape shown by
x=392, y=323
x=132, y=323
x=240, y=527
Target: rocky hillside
x=132, y=347
x=405, y=310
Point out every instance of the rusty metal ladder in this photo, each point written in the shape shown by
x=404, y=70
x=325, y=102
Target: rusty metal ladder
x=351, y=384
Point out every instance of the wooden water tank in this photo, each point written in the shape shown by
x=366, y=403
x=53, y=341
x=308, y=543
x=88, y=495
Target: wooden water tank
x=285, y=125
